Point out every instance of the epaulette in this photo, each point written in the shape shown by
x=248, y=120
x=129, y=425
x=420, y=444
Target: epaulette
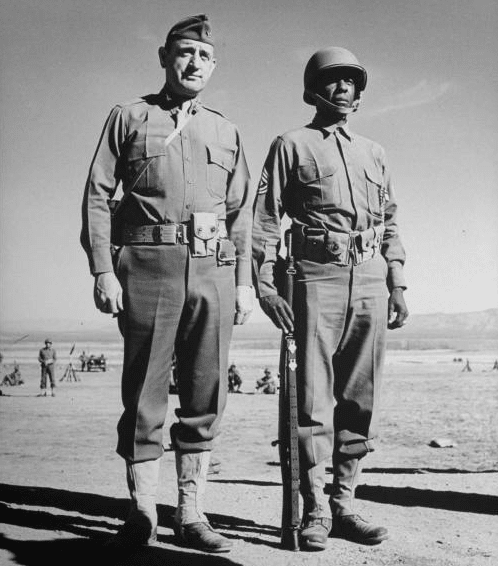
x=213, y=110
x=132, y=102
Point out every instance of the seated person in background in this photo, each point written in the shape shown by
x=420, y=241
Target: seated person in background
x=267, y=384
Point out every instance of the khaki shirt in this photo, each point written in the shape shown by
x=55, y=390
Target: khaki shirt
x=202, y=170
x=325, y=178
x=47, y=356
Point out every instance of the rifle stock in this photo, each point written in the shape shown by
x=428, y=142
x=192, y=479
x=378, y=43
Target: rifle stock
x=288, y=421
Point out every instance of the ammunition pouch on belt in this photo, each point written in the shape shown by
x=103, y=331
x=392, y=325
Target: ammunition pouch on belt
x=204, y=232
x=341, y=248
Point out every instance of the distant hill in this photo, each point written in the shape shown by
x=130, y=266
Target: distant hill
x=471, y=330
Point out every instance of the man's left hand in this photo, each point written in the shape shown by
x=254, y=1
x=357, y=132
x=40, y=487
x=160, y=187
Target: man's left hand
x=398, y=313
x=243, y=303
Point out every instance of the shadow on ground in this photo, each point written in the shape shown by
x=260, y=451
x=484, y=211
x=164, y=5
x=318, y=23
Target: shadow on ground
x=84, y=551
x=411, y=497
x=94, y=517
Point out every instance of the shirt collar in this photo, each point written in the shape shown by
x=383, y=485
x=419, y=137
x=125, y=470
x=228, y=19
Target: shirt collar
x=173, y=104
x=343, y=130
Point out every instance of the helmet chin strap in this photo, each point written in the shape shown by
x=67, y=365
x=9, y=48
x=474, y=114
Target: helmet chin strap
x=335, y=108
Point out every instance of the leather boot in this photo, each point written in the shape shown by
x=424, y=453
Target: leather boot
x=191, y=526
x=140, y=527
x=347, y=523
x=316, y=522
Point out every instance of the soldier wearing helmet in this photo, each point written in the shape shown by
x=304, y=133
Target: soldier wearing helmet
x=336, y=188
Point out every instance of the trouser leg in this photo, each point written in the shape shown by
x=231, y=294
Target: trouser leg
x=202, y=348
x=43, y=379
x=358, y=366
x=320, y=309
x=341, y=322
x=51, y=375
x=153, y=281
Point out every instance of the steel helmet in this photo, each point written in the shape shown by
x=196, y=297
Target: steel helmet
x=329, y=58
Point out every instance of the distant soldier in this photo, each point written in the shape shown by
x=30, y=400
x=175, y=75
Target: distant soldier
x=47, y=358
x=234, y=379
x=83, y=360
x=467, y=367
x=267, y=383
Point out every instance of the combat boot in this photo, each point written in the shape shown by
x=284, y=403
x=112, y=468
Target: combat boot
x=140, y=527
x=316, y=522
x=191, y=527
x=347, y=523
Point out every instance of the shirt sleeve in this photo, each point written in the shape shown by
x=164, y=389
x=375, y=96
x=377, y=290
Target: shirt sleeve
x=239, y=204
x=268, y=213
x=392, y=249
x=103, y=180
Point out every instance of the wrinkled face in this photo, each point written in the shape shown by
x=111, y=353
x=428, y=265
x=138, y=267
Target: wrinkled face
x=336, y=86
x=189, y=65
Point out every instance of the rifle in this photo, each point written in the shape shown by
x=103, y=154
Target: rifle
x=288, y=422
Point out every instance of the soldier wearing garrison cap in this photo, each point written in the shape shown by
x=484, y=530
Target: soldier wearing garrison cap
x=176, y=270
x=336, y=188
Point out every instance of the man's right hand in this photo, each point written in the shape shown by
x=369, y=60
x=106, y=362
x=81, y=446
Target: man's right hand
x=107, y=293
x=280, y=312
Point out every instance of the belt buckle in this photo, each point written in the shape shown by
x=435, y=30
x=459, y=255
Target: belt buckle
x=353, y=248
x=181, y=234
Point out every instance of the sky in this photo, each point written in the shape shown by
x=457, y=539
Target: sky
x=431, y=102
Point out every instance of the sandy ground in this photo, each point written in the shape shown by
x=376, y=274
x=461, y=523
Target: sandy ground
x=63, y=490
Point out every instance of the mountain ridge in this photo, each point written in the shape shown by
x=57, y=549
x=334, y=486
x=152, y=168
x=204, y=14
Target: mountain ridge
x=463, y=325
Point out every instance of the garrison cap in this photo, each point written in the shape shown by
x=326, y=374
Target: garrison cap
x=192, y=27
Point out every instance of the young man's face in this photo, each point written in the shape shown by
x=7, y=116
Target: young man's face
x=189, y=65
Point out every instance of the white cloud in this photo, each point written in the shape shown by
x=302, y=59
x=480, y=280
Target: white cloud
x=420, y=94
x=143, y=33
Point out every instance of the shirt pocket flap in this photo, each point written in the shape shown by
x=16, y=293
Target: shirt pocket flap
x=221, y=156
x=155, y=146
x=374, y=177
x=310, y=171
x=145, y=147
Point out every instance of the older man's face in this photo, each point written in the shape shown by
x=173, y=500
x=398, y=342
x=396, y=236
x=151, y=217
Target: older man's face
x=337, y=86
x=189, y=65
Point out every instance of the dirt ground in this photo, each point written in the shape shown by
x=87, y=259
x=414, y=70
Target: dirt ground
x=63, y=490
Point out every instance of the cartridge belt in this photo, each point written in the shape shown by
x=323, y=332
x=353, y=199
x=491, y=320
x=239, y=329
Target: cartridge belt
x=155, y=234
x=341, y=248
x=165, y=233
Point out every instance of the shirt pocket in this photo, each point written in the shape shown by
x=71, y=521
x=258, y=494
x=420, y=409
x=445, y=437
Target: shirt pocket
x=220, y=162
x=143, y=162
x=374, y=189
x=319, y=186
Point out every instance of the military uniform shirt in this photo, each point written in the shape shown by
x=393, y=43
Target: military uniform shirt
x=202, y=170
x=47, y=355
x=325, y=178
